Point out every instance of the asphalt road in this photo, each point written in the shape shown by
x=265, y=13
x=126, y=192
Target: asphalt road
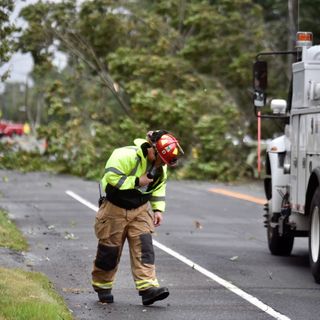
x=231, y=274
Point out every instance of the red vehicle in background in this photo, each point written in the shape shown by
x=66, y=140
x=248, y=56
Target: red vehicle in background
x=9, y=129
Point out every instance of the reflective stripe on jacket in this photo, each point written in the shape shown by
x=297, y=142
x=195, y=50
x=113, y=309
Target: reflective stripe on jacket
x=119, y=181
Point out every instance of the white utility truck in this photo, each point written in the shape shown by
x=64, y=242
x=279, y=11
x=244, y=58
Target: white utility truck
x=292, y=183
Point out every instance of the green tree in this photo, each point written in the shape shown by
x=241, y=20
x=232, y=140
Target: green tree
x=6, y=31
x=179, y=65
x=12, y=102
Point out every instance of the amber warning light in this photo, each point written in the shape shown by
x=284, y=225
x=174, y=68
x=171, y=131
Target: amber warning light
x=304, y=39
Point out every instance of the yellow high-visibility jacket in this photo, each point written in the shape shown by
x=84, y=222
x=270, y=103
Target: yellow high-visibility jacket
x=122, y=172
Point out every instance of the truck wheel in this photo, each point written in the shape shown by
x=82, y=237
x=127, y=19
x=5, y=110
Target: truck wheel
x=314, y=236
x=279, y=245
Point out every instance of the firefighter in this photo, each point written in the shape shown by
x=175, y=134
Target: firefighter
x=135, y=185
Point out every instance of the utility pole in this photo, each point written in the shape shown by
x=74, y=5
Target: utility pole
x=293, y=25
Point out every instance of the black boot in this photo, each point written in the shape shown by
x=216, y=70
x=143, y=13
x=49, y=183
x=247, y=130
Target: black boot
x=105, y=296
x=153, y=294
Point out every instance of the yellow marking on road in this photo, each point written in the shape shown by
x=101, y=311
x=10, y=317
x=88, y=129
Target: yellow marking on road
x=238, y=195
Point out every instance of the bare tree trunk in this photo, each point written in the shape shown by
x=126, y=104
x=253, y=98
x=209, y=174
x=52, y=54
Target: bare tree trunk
x=39, y=111
x=28, y=109
x=182, y=11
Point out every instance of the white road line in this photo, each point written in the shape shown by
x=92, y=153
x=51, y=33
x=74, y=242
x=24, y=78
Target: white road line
x=83, y=201
x=248, y=297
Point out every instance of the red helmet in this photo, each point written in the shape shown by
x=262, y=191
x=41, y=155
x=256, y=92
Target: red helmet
x=168, y=148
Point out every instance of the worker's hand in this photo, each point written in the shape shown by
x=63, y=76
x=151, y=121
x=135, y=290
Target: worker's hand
x=157, y=218
x=144, y=180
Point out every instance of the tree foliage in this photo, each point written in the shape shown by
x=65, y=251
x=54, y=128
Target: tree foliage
x=134, y=66
x=6, y=30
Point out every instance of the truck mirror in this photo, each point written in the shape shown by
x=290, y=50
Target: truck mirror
x=259, y=99
x=260, y=75
x=260, y=81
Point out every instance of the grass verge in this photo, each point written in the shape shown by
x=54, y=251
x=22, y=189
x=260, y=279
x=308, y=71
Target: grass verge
x=29, y=295
x=10, y=235
x=26, y=295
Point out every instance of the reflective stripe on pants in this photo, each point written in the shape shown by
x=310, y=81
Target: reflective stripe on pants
x=102, y=285
x=145, y=284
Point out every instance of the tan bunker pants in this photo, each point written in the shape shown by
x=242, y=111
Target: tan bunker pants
x=112, y=227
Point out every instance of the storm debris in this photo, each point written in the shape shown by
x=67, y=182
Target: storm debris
x=197, y=224
x=74, y=290
x=70, y=236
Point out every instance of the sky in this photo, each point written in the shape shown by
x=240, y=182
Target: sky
x=20, y=64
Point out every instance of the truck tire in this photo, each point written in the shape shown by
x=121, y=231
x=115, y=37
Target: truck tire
x=314, y=236
x=279, y=245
